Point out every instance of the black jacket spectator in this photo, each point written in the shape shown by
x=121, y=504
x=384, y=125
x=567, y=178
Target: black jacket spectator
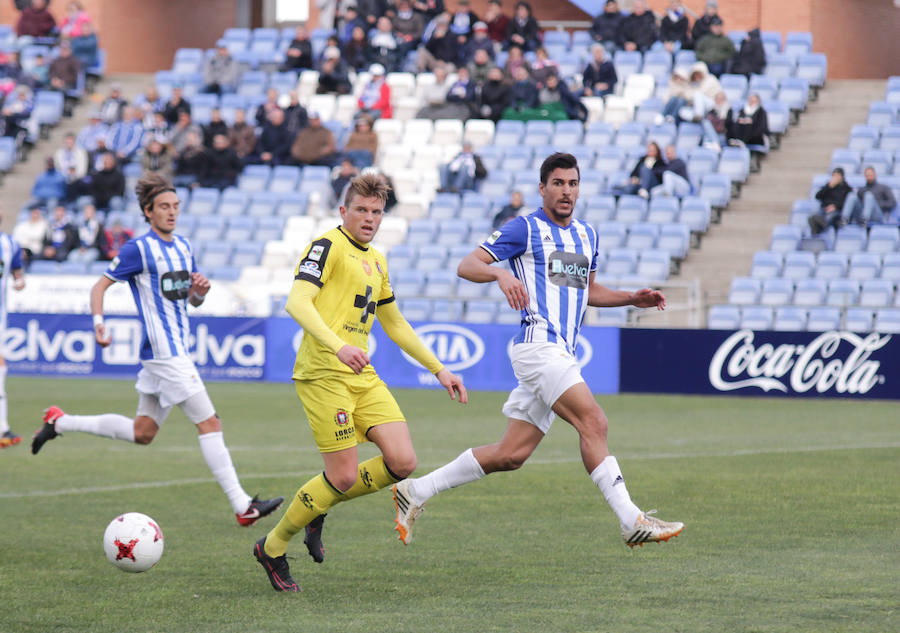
x=679, y=167
x=222, y=167
x=702, y=26
x=751, y=59
x=524, y=94
x=192, y=163
x=750, y=126
x=356, y=52
x=443, y=47
x=833, y=195
x=276, y=140
x=674, y=28
x=299, y=52
x=495, y=96
x=371, y=10
x=212, y=128
x=522, y=30
x=105, y=185
x=658, y=169
x=175, y=106
x=607, y=26
x=603, y=73
x=639, y=29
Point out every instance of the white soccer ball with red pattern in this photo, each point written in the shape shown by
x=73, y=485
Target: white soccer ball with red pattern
x=133, y=542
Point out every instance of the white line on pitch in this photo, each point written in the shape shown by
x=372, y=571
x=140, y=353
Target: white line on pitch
x=428, y=467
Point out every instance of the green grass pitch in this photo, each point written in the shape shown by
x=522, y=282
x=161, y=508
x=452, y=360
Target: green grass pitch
x=791, y=511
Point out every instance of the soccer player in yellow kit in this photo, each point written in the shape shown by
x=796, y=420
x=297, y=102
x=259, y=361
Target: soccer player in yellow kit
x=341, y=284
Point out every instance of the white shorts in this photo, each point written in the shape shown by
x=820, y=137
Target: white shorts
x=545, y=372
x=163, y=384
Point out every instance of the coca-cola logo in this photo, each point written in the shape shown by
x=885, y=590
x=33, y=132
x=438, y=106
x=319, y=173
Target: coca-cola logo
x=823, y=364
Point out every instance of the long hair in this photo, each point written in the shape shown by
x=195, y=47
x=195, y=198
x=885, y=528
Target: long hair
x=148, y=188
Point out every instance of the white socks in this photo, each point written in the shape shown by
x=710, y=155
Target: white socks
x=4, y=422
x=609, y=479
x=111, y=425
x=217, y=457
x=462, y=470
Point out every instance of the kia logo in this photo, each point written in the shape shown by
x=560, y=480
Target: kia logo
x=456, y=347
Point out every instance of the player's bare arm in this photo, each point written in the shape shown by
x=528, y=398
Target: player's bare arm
x=103, y=339
x=476, y=266
x=603, y=297
x=200, y=285
x=18, y=279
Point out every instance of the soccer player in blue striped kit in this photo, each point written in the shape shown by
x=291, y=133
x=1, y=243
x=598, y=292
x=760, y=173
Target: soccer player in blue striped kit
x=10, y=267
x=553, y=257
x=160, y=268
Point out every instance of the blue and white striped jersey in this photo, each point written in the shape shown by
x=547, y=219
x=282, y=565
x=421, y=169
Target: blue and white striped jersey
x=554, y=263
x=159, y=273
x=10, y=260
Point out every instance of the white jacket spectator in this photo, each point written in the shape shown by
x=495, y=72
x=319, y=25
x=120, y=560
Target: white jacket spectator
x=30, y=233
x=70, y=160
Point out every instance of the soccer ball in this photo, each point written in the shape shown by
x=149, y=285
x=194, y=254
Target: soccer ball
x=133, y=542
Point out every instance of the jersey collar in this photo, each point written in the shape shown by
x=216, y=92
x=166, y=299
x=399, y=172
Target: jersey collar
x=541, y=214
x=352, y=241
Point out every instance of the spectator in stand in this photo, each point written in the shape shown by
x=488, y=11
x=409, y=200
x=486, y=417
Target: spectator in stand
x=221, y=71
x=356, y=51
x=639, y=28
x=157, y=128
x=95, y=129
x=341, y=177
x=751, y=59
x=39, y=74
x=274, y=144
x=599, y=77
x=429, y=8
x=872, y=204
x=30, y=234
x=85, y=47
x=91, y=237
x=49, y=187
x=559, y=103
x=16, y=111
x=673, y=28
x=334, y=78
x=266, y=107
x=375, y=99
x=510, y=211
x=175, y=106
x=61, y=237
x=646, y=175
x=315, y=144
x=480, y=66
x=384, y=48
x=704, y=81
x=495, y=96
x=242, y=136
x=295, y=116
x=215, y=126
x=461, y=96
x=522, y=30
x=435, y=96
x=523, y=96
x=191, y=163
x=13, y=73
x=362, y=146
x=543, y=67
x=299, y=53
x=478, y=42
x=125, y=137
x=35, y=21
x=178, y=134
x=75, y=21
x=349, y=21
x=114, y=104
x=157, y=159
x=72, y=162
x=223, y=164
x=408, y=26
x=64, y=70
x=715, y=48
x=675, y=181
x=116, y=236
x=834, y=198
x=715, y=123
x=371, y=10
x=514, y=61
x=607, y=27
x=150, y=104
x=750, y=129
x=463, y=172
x=496, y=21
x=440, y=47
x=702, y=25
x=107, y=183
x=462, y=21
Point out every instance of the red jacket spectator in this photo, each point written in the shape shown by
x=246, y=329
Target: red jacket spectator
x=376, y=96
x=35, y=20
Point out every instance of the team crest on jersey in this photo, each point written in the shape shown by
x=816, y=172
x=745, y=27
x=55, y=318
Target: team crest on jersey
x=315, y=253
x=378, y=266
x=341, y=418
x=494, y=237
x=367, y=267
x=114, y=263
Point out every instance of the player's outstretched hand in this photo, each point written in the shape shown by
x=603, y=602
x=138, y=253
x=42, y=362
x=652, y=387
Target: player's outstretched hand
x=353, y=357
x=103, y=339
x=199, y=284
x=453, y=384
x=648, y=298
x=514, y=290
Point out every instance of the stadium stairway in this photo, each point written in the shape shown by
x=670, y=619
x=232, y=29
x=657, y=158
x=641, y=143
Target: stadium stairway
x=746, y=226
x=17, y=184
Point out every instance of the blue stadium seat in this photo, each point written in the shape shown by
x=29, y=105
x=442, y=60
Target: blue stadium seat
x=823, y=318
x=789, y=319
x=440, y=283
x=508, y=133
x=611, y=235
x=887, y=320
x=734, y=86
x=696, y=213
x=402, y=256
x=291, y=204
x=847, y=159
x=744, y=291
x=600, y=209
x=204, y=201
x=209, y=228
x=810, y=292
x=247, y=254
x=233, y=202
x=481, y=311
x=642, y=236
x=763, y=85
x=716, y=188
x=876, y=293
x=627, y=63
x=48, y=107
x=757, y=318
x=883, y=239
x=621, y=261
x=662, y=210
x=658, y=64
x=766, y=264
x=216, y=254
x=631, y=209
x=776, y=291
x=654, y=265
x=422, y=231
x=779, y=115
x=432, y=257
x=781, y=65
x=814, y=68
x=609, y=158
x=453, y=231
x=882, y=114
x=842, y=292
x=239, y=229
x=794, y=91
x=864, y=137
x=599, y=134
x=798, y=43
x=724, y=317
x=254, y=178
x=771, y=41
x=408, y=283
x=831, y=265
x=269, y=228
x=188, y=60
x=630, y=134
x=735, y=163
x=864, y=265
x=798, y=265
x=850, y=239
x=785, y=237
x=858, y=319
x=416, y=309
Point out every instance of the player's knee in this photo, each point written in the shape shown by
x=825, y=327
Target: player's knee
x=594, y=425
x=143, y=436
x=403, y=466
x=344, y=481
x=513, y=461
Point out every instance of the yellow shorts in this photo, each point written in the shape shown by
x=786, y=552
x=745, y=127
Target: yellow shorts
x=342, y=410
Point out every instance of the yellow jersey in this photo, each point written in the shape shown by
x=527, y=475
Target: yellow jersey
x=352, y=281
